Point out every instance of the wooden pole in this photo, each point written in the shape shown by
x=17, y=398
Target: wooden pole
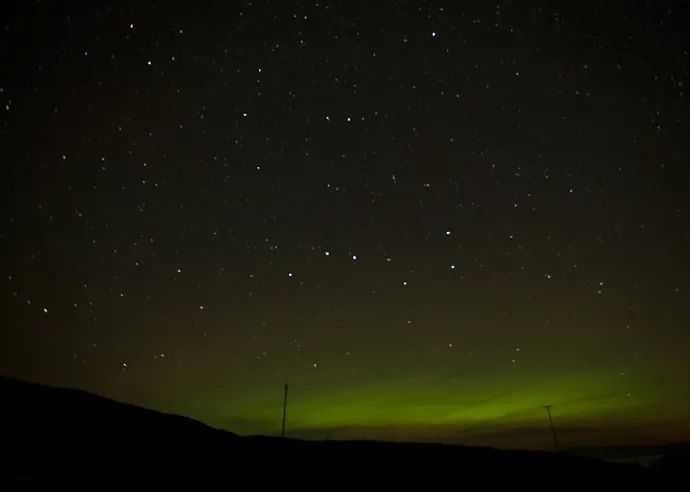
x=553, y=429
x=282, y=432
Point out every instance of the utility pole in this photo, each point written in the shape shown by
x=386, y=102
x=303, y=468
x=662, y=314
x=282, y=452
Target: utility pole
x=282, y=432
x=553, y=429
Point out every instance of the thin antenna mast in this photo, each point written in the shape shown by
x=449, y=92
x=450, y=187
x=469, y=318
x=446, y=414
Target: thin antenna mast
x=553, y=429
x=282, y=432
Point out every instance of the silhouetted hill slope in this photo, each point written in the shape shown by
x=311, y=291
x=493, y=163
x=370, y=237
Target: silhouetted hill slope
x=61, y=430
x=66, y=435
x=61, y=412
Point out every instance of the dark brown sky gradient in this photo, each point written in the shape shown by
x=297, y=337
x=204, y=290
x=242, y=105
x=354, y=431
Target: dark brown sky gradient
x=421, y=215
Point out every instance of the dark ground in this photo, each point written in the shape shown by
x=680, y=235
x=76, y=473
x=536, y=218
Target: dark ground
x=73, y=437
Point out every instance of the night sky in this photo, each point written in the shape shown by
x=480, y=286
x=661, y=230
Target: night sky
x=429, y=218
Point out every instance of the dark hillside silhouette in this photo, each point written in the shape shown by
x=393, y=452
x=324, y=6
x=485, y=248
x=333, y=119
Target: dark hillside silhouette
x=68, y=435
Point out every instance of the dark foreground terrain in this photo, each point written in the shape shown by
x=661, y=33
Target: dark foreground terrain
x=73, y=437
